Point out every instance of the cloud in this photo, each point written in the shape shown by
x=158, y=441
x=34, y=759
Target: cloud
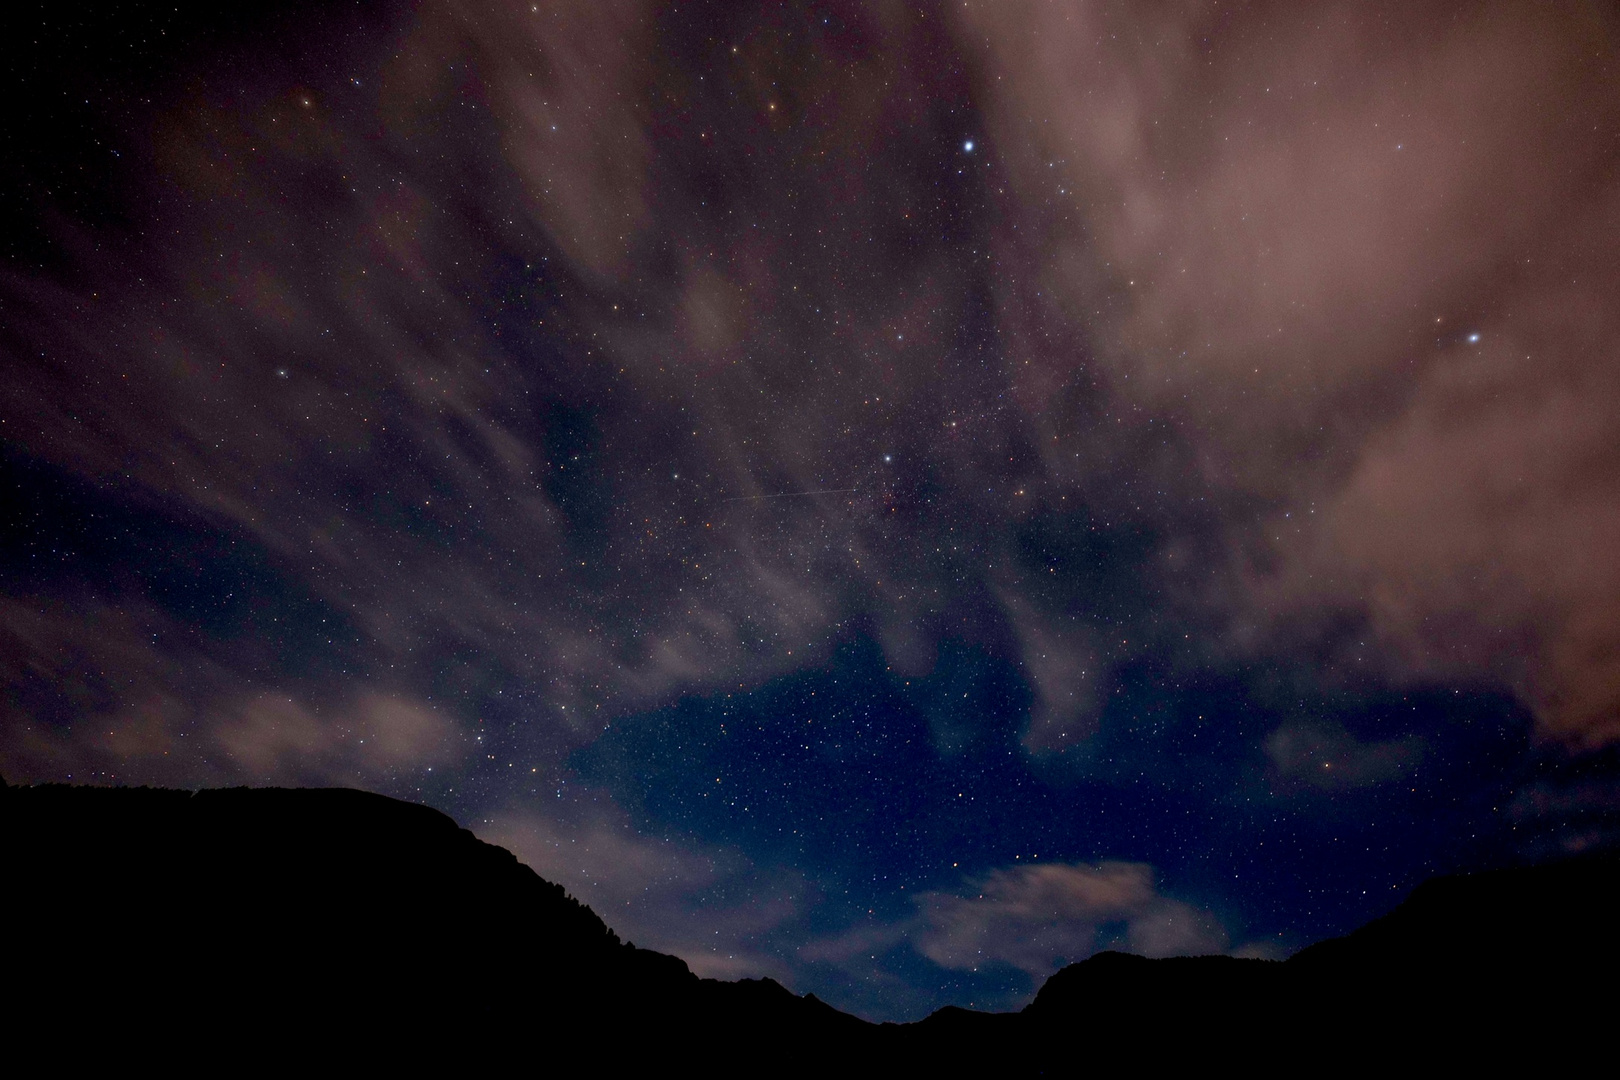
x=709, y=906
x=1477, y=527
x=273, y=738
x=564, y=87
x=1351, y=260
x=1038, y=917
x=451, y=477
x=503, y=338
x=114, y=706
x=1563, y=814
x=1066, y=672
x=855, y=949
x=1325, y=755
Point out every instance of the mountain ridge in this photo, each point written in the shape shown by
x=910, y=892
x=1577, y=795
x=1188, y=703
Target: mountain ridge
x=359, y=926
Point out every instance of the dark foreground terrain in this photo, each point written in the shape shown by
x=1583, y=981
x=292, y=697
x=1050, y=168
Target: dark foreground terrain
x=269, y=928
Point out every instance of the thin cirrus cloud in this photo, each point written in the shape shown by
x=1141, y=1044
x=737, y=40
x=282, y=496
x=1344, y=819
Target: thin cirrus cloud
x=1275, y=250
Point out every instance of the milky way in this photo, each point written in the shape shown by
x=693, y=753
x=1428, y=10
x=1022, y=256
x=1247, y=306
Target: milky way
x=895, y=497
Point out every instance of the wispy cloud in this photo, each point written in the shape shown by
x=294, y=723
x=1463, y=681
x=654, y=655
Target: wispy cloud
x=708, y=905
x=1039, y=917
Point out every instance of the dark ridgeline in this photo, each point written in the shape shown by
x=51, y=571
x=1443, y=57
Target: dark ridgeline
x=282, y=926
x=270, y=927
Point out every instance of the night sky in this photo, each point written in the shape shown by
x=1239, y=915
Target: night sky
x=896, y=497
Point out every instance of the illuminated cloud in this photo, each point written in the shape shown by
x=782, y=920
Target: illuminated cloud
x=656, y=892
x=1352, y=261
x=1039, y=917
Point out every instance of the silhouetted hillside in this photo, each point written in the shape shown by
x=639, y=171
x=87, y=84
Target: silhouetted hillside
x=274, y=927
x=259, y=921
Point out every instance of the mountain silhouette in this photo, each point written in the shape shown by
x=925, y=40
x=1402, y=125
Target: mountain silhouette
x=268, y=928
